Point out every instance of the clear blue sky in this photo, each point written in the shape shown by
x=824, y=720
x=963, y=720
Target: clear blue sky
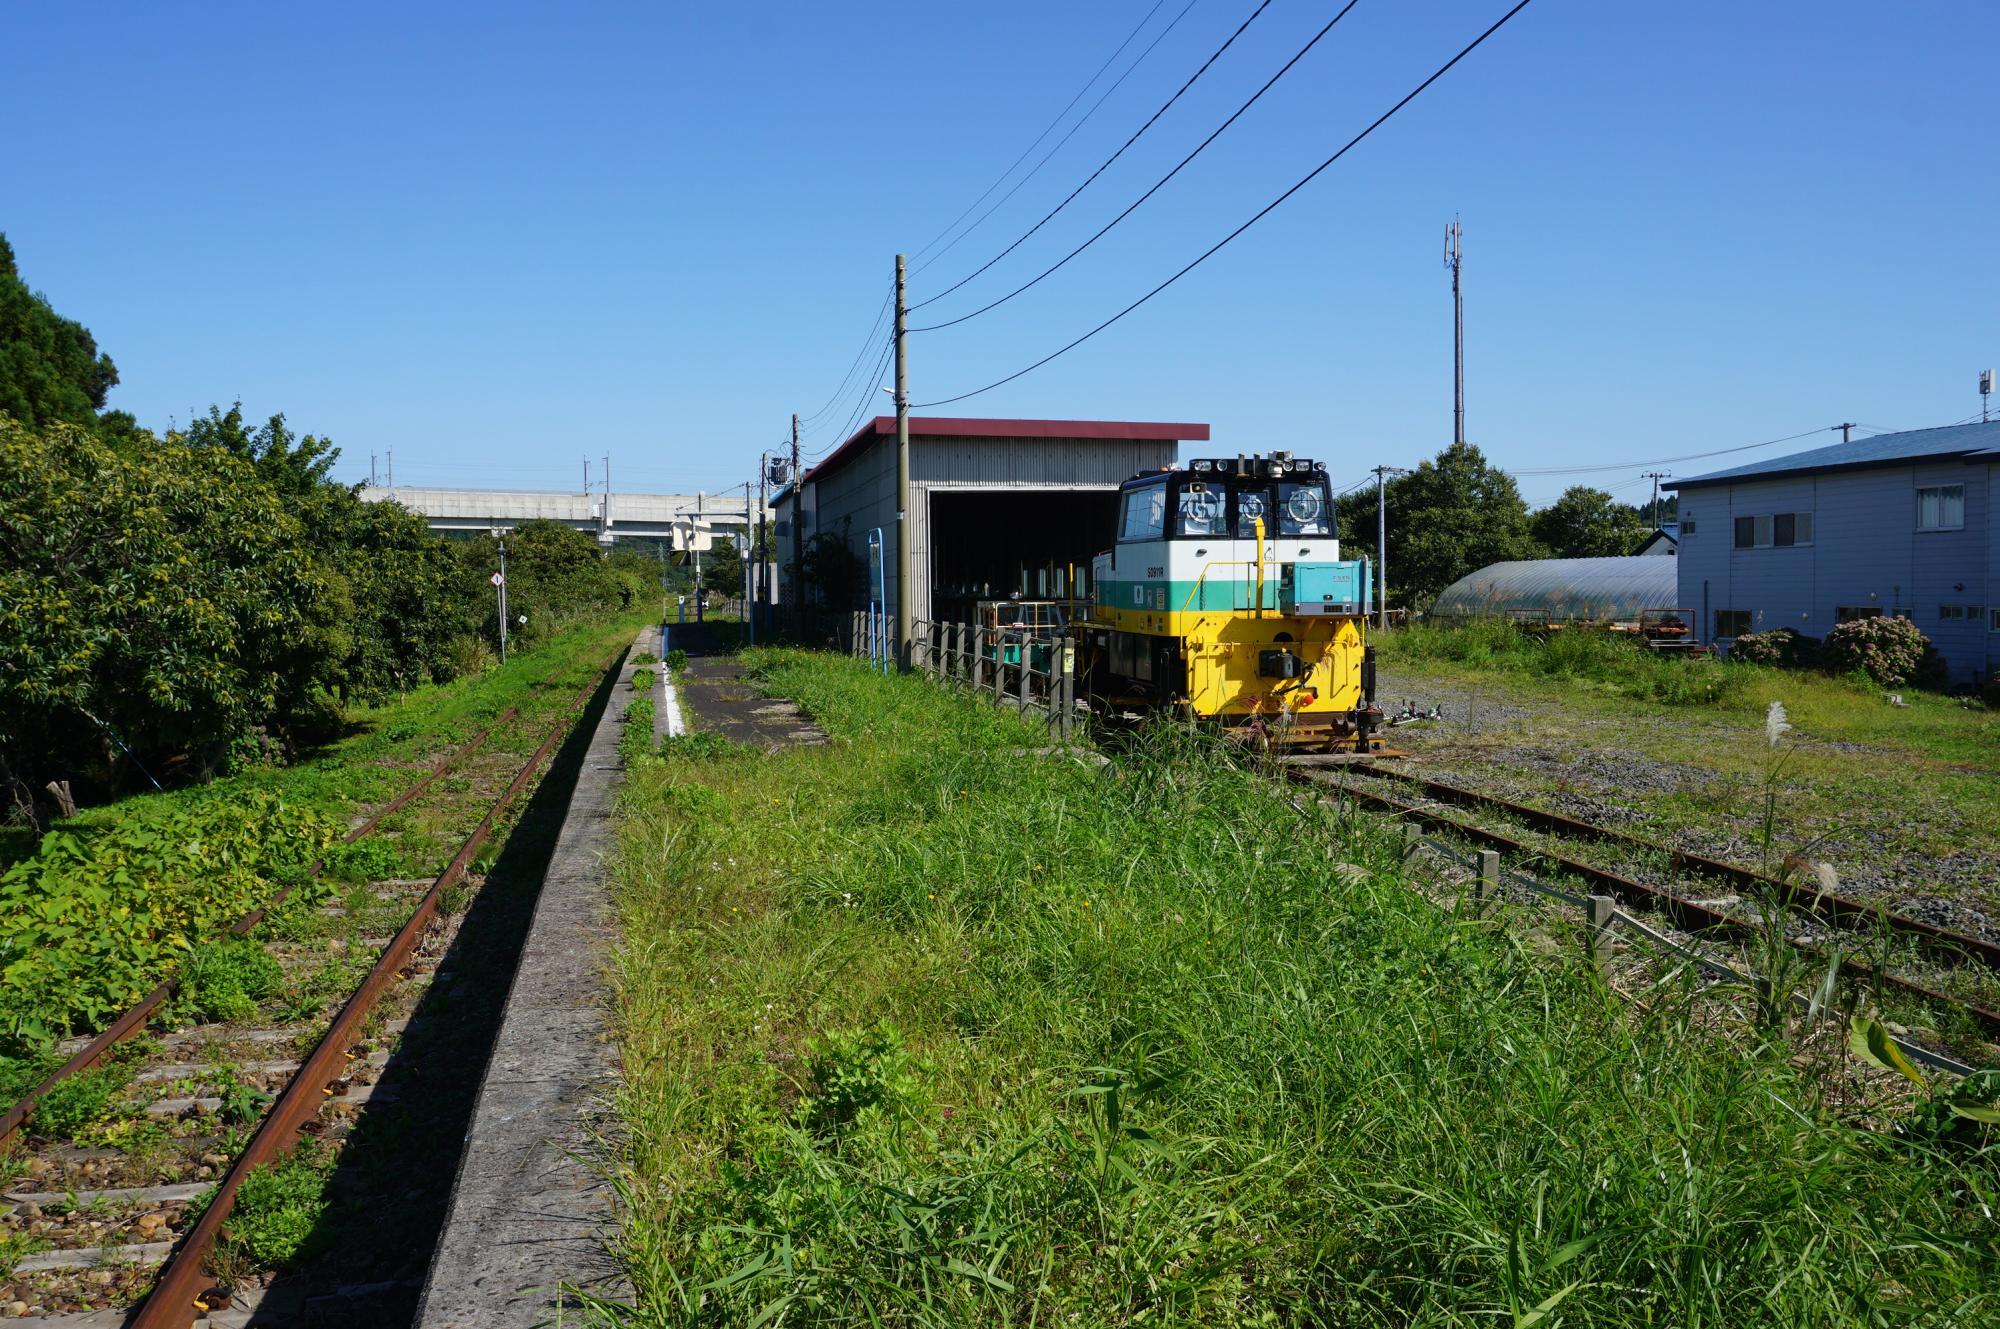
x=497, y=238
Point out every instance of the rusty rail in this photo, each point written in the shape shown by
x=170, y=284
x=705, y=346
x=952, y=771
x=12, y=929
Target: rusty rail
x=1689, y=915
x=171, y=1304
x=135, y=1017
x=1826, y=904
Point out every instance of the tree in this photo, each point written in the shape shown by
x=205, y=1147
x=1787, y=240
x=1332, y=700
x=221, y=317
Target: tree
x=1450, y=516
x=50, y=367
x=159, y=603
x=1587, y=523
x=722, y=567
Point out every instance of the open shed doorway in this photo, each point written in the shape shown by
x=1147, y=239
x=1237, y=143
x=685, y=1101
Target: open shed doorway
x=997, y=544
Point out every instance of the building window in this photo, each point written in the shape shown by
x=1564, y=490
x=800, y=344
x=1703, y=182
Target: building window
x=1848, y=613
x=1776, y=530
x=1941, y=508
x=1687, y=526
x=1731, y=622
x=1951, y=613
x=1993, y=624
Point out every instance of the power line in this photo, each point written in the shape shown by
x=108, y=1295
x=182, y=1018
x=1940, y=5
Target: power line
x=1662, y=461
x=1164, y=107
x=1160, y=183
x=887, y=299
x=1259, y=216
x=1046, y=132
x=869, y=388
x=1082, y=120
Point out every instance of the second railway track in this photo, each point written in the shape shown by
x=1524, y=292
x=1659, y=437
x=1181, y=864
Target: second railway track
x=1424, y=797
x=124, y=1219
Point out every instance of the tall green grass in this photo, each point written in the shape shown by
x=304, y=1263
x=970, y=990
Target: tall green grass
x=1600, y=664
x=918, y=1032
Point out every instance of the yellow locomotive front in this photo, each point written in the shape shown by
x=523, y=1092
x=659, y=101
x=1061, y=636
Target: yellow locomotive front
x=1225, y=597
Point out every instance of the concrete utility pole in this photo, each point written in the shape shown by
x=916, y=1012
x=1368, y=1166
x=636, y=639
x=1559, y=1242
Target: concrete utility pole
x=500, y=589
x=798, y=531
x=749, y=568
x=1382, y=474
x=1656, y=477
x=903, y=606
x=694, y=546
x=1454, y=258
x=1846, y=428
x=757, y=540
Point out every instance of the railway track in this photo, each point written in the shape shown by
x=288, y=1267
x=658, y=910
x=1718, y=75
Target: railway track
x=1936, y=944
x=125, y=1220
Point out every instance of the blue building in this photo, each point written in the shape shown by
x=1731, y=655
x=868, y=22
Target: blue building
x=1895, y=524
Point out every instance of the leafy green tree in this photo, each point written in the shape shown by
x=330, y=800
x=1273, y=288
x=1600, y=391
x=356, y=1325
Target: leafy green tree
x=722, y=567
x=295, y=467
x=50, y=367
x=158, y=603
x=1587, y=523
x=1452, y=515
x=555, y=575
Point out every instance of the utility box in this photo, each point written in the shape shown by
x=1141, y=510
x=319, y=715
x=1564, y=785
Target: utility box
x=1323, y=588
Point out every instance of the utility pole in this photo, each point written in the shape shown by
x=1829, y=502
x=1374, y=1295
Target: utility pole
x=500, y=589
x=586, y=477
x=903, y=607
x=749, y=569
x=798, y=531
x=1656, y=477
x=757, y=545
x=604, y=519
x=694, y=546
x=1382, y=474
x=1454, y=258
x=371, y=470
x=1846, y=428
x=392, y=468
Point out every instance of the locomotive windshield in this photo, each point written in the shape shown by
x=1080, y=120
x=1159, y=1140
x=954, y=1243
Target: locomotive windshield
x=1197, y=506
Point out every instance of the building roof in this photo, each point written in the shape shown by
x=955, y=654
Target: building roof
x=1880, y=450
x=1667, y=533
x=1568, y=590
x=935, y=426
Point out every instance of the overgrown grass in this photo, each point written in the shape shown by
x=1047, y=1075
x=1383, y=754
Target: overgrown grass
x=915, y=1031
x=1951, y=728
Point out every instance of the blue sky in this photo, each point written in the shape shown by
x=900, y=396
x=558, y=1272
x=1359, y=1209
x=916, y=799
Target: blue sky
x=499, y=238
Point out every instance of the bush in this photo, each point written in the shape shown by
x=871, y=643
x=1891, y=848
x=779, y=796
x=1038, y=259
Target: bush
x=278, y=1207
x=94, y=920
x=364, y=860
x=677, y=660
x=225, y=980
x=77, y=1102
x=1890, y=651
x=1781, y=648
x=642, y=680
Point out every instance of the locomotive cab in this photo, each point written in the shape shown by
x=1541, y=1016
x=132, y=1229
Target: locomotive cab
x=1225, y=596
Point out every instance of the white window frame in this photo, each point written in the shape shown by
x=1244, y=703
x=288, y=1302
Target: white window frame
x=1946, y=495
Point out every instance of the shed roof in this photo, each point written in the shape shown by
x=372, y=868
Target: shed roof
x=1879, y=450
x=936, y=426
x=1590, y=590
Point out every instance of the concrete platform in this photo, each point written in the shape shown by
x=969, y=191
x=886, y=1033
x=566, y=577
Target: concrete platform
x=526, y=1211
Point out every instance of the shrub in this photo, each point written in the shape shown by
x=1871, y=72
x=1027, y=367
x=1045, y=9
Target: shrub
x=1783, y=648
x=77, y=1102
x=278, y=1206
x=94, y=920
x=677, y=660
x=364, y=860
x=644, y=658
x=856, y=1075
x=642, y=680
x=225, y=980
x=1890, y=651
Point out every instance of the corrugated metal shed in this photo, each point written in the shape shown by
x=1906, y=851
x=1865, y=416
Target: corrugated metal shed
x=1881, y=450
x=1567, y=590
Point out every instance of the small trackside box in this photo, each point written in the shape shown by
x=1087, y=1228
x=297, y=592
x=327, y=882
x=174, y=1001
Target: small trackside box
x=1324, y=588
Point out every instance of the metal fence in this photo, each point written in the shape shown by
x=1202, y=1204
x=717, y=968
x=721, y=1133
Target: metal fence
x=965, y=655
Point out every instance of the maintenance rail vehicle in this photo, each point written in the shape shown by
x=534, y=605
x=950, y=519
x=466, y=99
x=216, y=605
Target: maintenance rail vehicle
x=1225, y=599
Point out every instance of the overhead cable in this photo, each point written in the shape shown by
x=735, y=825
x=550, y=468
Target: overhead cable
x=888, y=300
x=1257, y=217
x=1164, y=107
x=1158, y=184
x=1046, y=132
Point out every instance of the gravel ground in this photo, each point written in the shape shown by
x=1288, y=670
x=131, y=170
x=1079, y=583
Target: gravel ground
x=1535, y=750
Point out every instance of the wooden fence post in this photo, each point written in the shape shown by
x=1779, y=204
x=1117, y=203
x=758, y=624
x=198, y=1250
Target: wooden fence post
x=1488, y=886
x=1027, y=672
x=1597, y=922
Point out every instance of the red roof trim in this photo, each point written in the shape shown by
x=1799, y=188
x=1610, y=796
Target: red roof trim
x=957, y=427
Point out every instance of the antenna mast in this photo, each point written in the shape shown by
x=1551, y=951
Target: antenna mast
x=1454, y=258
